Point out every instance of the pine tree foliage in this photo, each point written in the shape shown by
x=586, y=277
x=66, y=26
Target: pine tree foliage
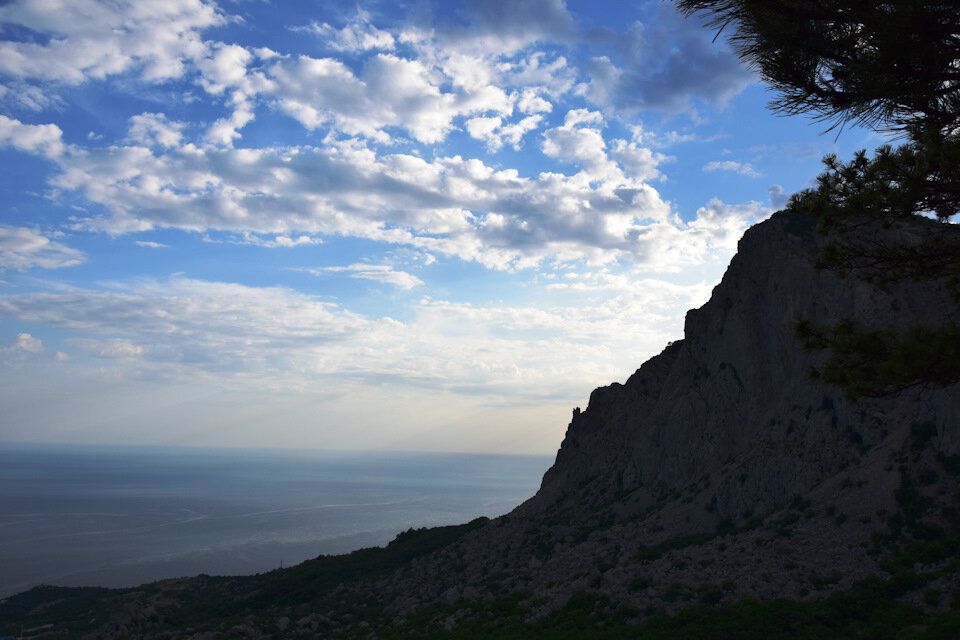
x=851, y=199
x=875, y=362
x=895, y=67
x=883, y=64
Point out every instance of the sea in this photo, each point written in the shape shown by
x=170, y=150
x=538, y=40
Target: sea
x=123, y=516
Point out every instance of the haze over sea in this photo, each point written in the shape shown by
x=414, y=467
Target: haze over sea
x=121, y=516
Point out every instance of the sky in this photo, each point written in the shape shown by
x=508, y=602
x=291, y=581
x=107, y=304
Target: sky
x=430, y=226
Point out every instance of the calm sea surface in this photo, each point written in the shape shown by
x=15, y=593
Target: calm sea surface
x=122, y=516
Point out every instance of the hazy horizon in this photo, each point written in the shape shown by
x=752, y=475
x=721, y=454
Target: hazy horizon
x=121, y=515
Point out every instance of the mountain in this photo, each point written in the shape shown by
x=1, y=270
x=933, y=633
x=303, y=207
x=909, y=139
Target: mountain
x=734, y=398
x=719, y=487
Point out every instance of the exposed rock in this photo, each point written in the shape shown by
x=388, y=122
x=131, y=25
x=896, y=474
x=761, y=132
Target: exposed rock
x=734, y=401
x=721, y=427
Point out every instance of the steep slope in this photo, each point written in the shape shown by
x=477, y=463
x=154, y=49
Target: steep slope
x=734, y=398
x=720, y=461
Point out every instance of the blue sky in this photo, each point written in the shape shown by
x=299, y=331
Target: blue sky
x=382, y=225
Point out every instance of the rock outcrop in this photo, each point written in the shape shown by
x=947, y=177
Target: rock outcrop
x=721, y=460
x=734, y=399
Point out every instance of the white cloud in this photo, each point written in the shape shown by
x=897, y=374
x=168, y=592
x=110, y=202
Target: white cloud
x=24, y=348
x=45, y=139
x=483, y=129
x=274, y=242
x=549, y=75
x=287, y=340
x=637, y=162
x=390, y=92
x=581, y=144
x=720, y=226
x=155, y=129
x=225, y=130
x=152, y=245
x=513, y=133
x=226, y=66
x=288, y=241
x=495, y=132
x=90, y=39
x=23, y=248
x=743, y=168
x=359, y=35
x=531, y=102
x=447, y=205
x=19, y=94
x=378, y=272
x=26, y=342
x=245, y=353
x=112, y=348
x=624, y=162
x=191, y=325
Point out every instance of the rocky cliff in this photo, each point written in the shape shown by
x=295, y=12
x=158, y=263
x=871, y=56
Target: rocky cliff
x=734, y=399
x=720, y=461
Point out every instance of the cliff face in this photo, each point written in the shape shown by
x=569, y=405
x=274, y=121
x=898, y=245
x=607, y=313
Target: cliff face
x=734, y=399
x=720, y=461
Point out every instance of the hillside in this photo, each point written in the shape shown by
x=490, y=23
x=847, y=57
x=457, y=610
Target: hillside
x=719, y=480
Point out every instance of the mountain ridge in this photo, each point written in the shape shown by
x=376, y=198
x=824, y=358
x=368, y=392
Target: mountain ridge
x=740, y=349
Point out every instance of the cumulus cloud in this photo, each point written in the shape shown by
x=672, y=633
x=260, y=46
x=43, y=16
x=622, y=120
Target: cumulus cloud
x=580, y=139
x=448, y=205
x=389, y=92
x=637, y=161
x=225, y=66
x=720, y=226
x=45, y=139
x=571, y=141
x=495, y=133
x=225, y=130
x=155, y=129
x=88, y=39
x=23, y=248
x=531, y=102
x=743, y=168
x=26, y=342
x=23, y=348
x=358, y=35
x=483, y=129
